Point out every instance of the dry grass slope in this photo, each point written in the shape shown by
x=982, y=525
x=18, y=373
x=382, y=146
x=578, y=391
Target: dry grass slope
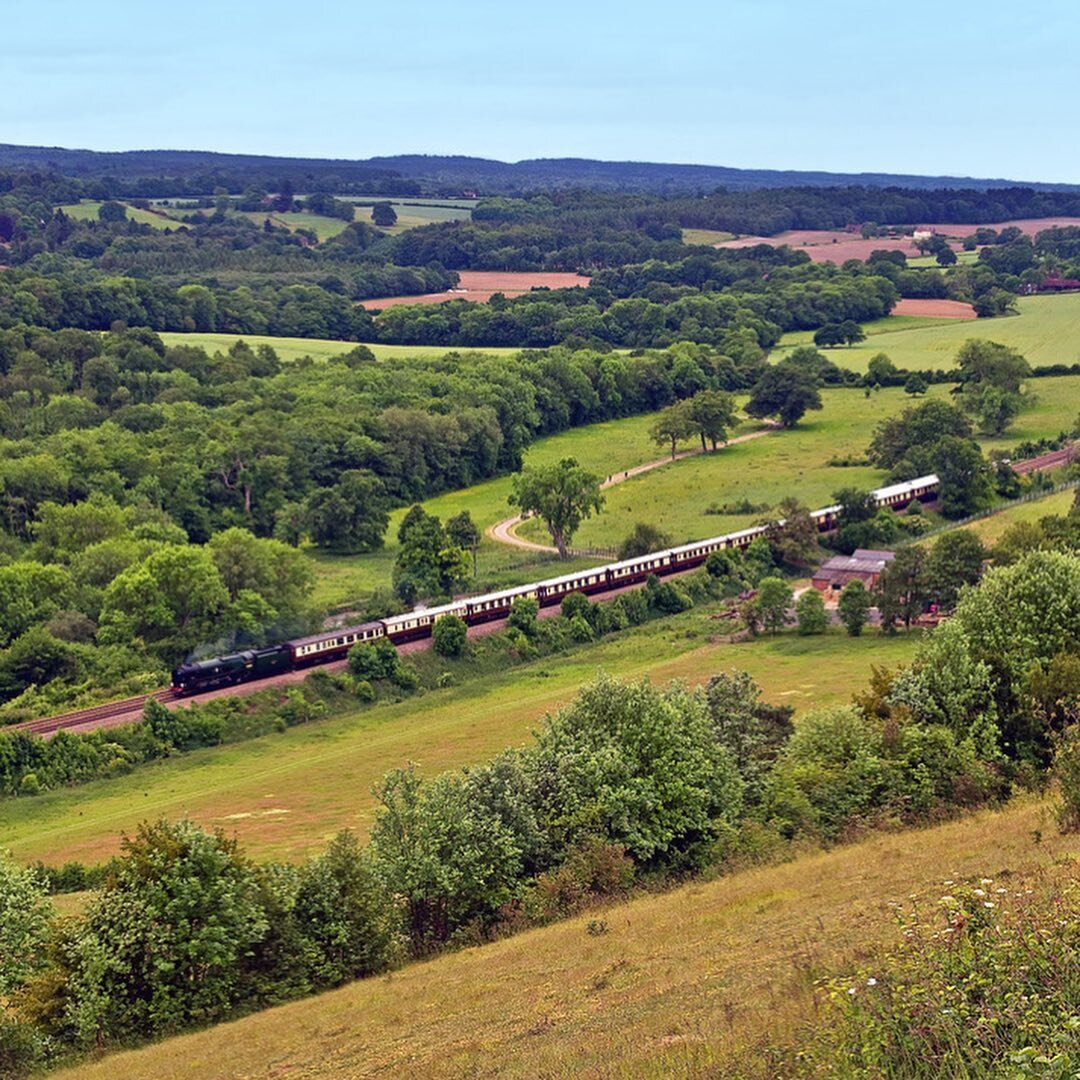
x=689, y=983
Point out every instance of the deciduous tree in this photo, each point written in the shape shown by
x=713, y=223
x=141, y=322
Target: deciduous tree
x=563, y=495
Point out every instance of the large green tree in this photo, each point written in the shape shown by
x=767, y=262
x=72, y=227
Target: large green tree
x=351, y=516
x=786, y=392
x=563, y=495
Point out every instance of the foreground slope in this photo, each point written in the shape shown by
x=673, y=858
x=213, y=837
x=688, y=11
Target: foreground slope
x=691, y=981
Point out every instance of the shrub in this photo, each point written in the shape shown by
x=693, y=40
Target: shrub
x=449, y=635
x=575, y=603
x=811, y=613
x=854, y=607
x=524, y=612
x=375, y=661
x=580, y=630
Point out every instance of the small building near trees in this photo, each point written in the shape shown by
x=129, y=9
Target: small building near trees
x=863, y=564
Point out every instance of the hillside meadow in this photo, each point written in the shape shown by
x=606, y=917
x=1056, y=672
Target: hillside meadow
x=285, y=795
x=698, y=981
x=1046, y=331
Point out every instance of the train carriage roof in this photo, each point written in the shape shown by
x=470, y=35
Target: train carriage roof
x=331, y=635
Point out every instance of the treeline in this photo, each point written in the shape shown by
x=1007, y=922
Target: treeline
x=769, y=211
x=573, y=819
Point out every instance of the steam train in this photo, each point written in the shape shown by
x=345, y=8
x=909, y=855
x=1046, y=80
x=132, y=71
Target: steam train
x=252, y=664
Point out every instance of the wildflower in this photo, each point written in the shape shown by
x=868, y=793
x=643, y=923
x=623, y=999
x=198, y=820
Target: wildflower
x=852, y=991
x=988, y=903
x=871, y=981
x=986, y=881
x=979, y=892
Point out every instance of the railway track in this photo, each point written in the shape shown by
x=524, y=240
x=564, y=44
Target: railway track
x=96, y=715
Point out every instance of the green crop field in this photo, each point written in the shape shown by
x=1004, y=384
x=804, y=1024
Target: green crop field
x=317, y=348
x=285, y=795
x=87, y=210
x=690, y=982
x=1046, y=331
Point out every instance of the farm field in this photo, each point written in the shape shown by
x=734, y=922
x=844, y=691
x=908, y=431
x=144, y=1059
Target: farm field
x=990, y=529
x=482, y=285
x=684, y=983
x=939, y=309
x=706, y=236
x=286, y=795
x=87, y=210
x=1046, y=331
x=413, y=214
x=317, y=348
x=323, y=227
x=838, y=245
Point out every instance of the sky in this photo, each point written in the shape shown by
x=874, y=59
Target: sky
x=951, y=87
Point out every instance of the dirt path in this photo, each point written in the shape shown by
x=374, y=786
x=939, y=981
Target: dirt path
x=503, y=531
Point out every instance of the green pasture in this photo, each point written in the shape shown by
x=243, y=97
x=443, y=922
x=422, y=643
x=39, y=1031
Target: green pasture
x=290, y=348
x=323, y=227
x=706, y=236
x=285, y=795
x=607, y=448
x=412, y=215
x=991, y=529
x=676, y=495
x=919, y=261
x=766, y=470
x=1046, y=331
x=87, y=210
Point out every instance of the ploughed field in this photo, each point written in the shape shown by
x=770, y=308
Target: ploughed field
x=838, y=245
x=482, y=285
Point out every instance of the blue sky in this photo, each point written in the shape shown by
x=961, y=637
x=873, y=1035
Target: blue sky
x=949, y=87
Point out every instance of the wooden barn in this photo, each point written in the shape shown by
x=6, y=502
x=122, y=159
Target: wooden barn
x=863, y=564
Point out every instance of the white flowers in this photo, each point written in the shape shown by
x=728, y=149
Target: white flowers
x=871, y=981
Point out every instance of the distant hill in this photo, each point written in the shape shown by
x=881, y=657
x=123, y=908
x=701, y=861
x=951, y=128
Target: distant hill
x=435, y=174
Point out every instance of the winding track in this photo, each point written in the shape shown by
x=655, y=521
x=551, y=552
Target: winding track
x=503, y=531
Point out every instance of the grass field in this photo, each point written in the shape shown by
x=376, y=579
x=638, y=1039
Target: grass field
x=603, y=448
x=87, y=210
x=411, y=215
x=323, y=227
x=706, y=236
x=1046, y=331
x=691, y=982
x=675, y=497
x=317, y=348
x=285, y=795
x=990, y=529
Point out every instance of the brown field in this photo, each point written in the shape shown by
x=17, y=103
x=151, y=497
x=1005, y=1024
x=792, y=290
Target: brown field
x=481, y=285
x=838, y=245
x=934, y=309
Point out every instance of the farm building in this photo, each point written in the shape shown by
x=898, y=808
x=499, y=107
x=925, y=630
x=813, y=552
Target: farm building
x=863, y=564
